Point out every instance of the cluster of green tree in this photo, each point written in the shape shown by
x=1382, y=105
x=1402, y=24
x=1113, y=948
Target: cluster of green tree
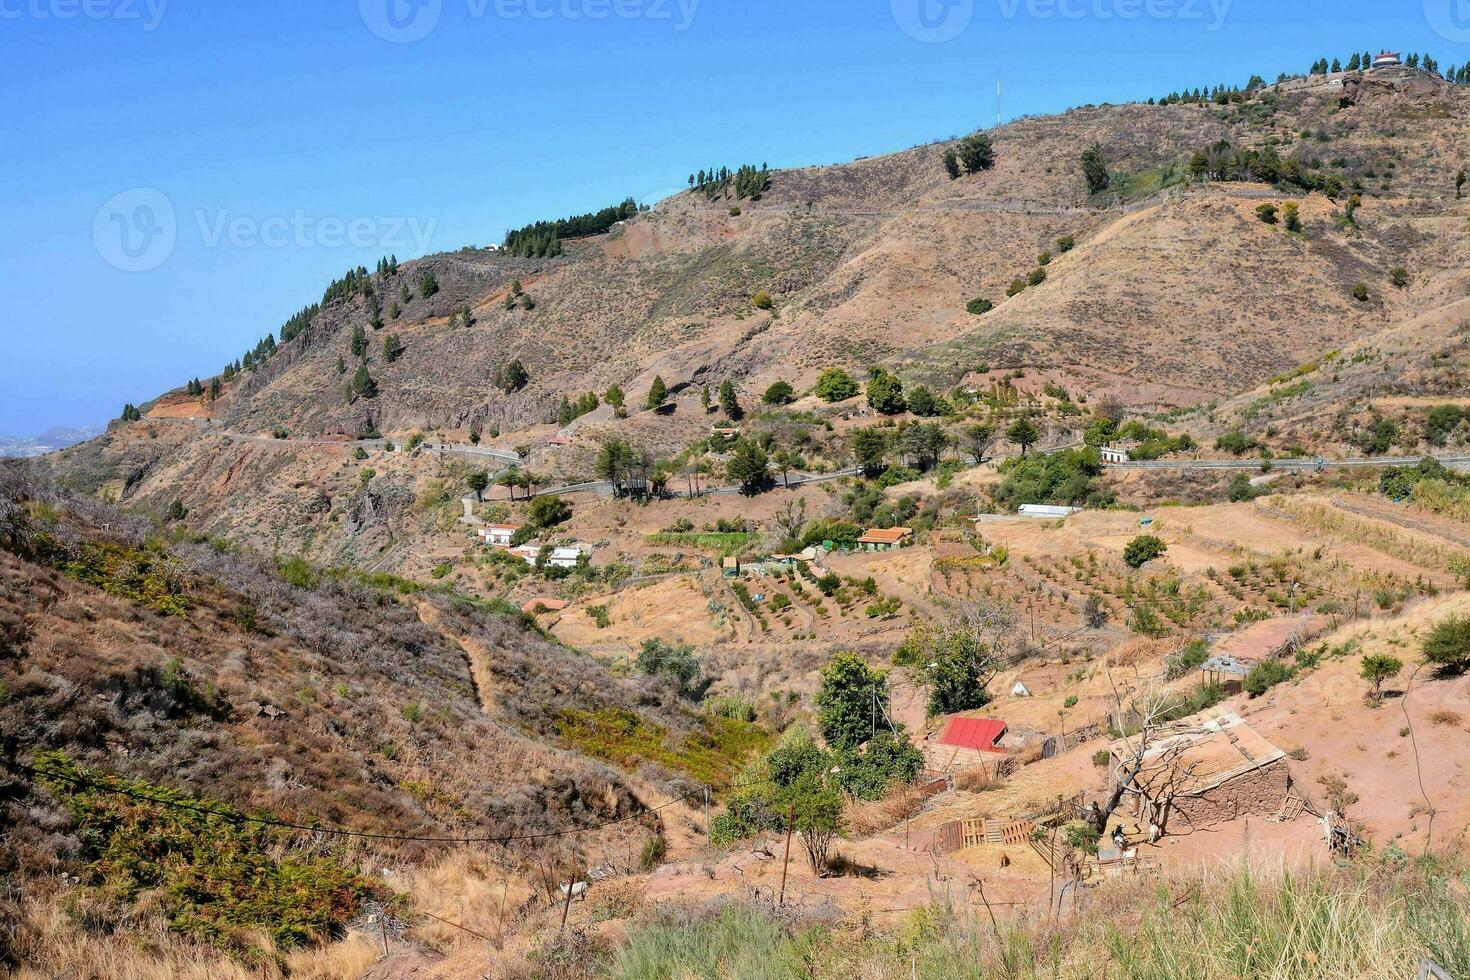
x=257, y=355
x=543, y=239
x=354, y=282
x=1378, y=437
x=1217, y=94
x=569, y=410
x=1067, y=477
x=1398, y=482
x=626, y=467
x=1237, y=443
x=747, y=181
x=1152, y=443
x=516, y=297
x=298, y=322
x=1358, y=62
x=779, y=393
x=1225, y=163
x=512, y=376
x=130, y=413
x=1441, y=421
x=969, y=156
x=387, y=266
x=804, y=785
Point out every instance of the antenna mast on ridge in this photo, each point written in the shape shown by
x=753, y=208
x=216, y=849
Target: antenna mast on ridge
x=997, y=100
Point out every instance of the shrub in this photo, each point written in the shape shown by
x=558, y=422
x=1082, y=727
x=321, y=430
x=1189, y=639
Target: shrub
x=1016, y=287
x=1266, y=675
x=779, y=393
x=1448, y=643
x=1143, y=549
x=1267, y=212
x=217, y=881
x=1360, y=292
x=1399, y=276
x=1037, y=276
x=1066, y=243
x=762, y=300
x=979, y=306
x=1101, y=758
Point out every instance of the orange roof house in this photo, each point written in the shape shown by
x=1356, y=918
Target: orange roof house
x=883, y=538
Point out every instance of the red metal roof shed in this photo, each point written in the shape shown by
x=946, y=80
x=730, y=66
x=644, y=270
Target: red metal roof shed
x=974, y=733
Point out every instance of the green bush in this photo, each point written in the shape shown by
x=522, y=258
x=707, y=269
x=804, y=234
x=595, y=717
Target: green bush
x=1143, y=549
x=1448, y=643
x=1266, y=675
x=979, y=306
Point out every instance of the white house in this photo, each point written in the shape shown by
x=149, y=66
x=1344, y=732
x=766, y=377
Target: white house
x=563, y=556
x=497, y=535
x=1114, y=454
x=1387, y=59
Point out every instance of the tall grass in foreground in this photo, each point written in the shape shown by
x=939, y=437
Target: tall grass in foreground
x=1360, y=923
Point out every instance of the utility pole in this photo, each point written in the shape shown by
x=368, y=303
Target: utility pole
x=786, y=859
x=709, y=837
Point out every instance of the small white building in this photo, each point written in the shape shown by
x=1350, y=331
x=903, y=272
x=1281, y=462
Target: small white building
x=1114, y=454
x=1387, y=59
x=562, y=556
x=566, y=557
x=497, y=535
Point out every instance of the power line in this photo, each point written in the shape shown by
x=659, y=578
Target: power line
x=85, y=783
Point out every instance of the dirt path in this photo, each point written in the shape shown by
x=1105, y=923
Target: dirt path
x=477, y=655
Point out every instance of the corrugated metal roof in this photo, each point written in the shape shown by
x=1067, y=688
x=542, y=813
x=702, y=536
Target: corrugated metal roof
x=973, y=733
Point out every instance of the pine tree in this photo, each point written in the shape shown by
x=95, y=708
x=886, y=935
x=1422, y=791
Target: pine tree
x=358, y=344
x=1354, y=63
x=363, y=385
x=514, y=376
x=130, y=413
x=729, y=404
x=392, y=348
x=658, y=392
x=1095, y=169
x=952, y=164
x=428, y=285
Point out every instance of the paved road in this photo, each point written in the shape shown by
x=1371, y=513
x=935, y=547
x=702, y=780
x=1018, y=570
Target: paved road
x=1290, y=465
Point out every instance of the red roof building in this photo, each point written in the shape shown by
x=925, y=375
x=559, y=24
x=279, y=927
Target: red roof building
x=980, y=734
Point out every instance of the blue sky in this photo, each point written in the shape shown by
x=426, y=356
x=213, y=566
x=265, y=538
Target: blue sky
x=260, y=124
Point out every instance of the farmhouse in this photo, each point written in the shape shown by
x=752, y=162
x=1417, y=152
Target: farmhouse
x=965, y=743
x=563, y=556
x=1204, y=775
x=1114, y=454
x=884, y=538
x=498, y=535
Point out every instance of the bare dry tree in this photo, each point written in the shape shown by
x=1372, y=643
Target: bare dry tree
x=1149, y=702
